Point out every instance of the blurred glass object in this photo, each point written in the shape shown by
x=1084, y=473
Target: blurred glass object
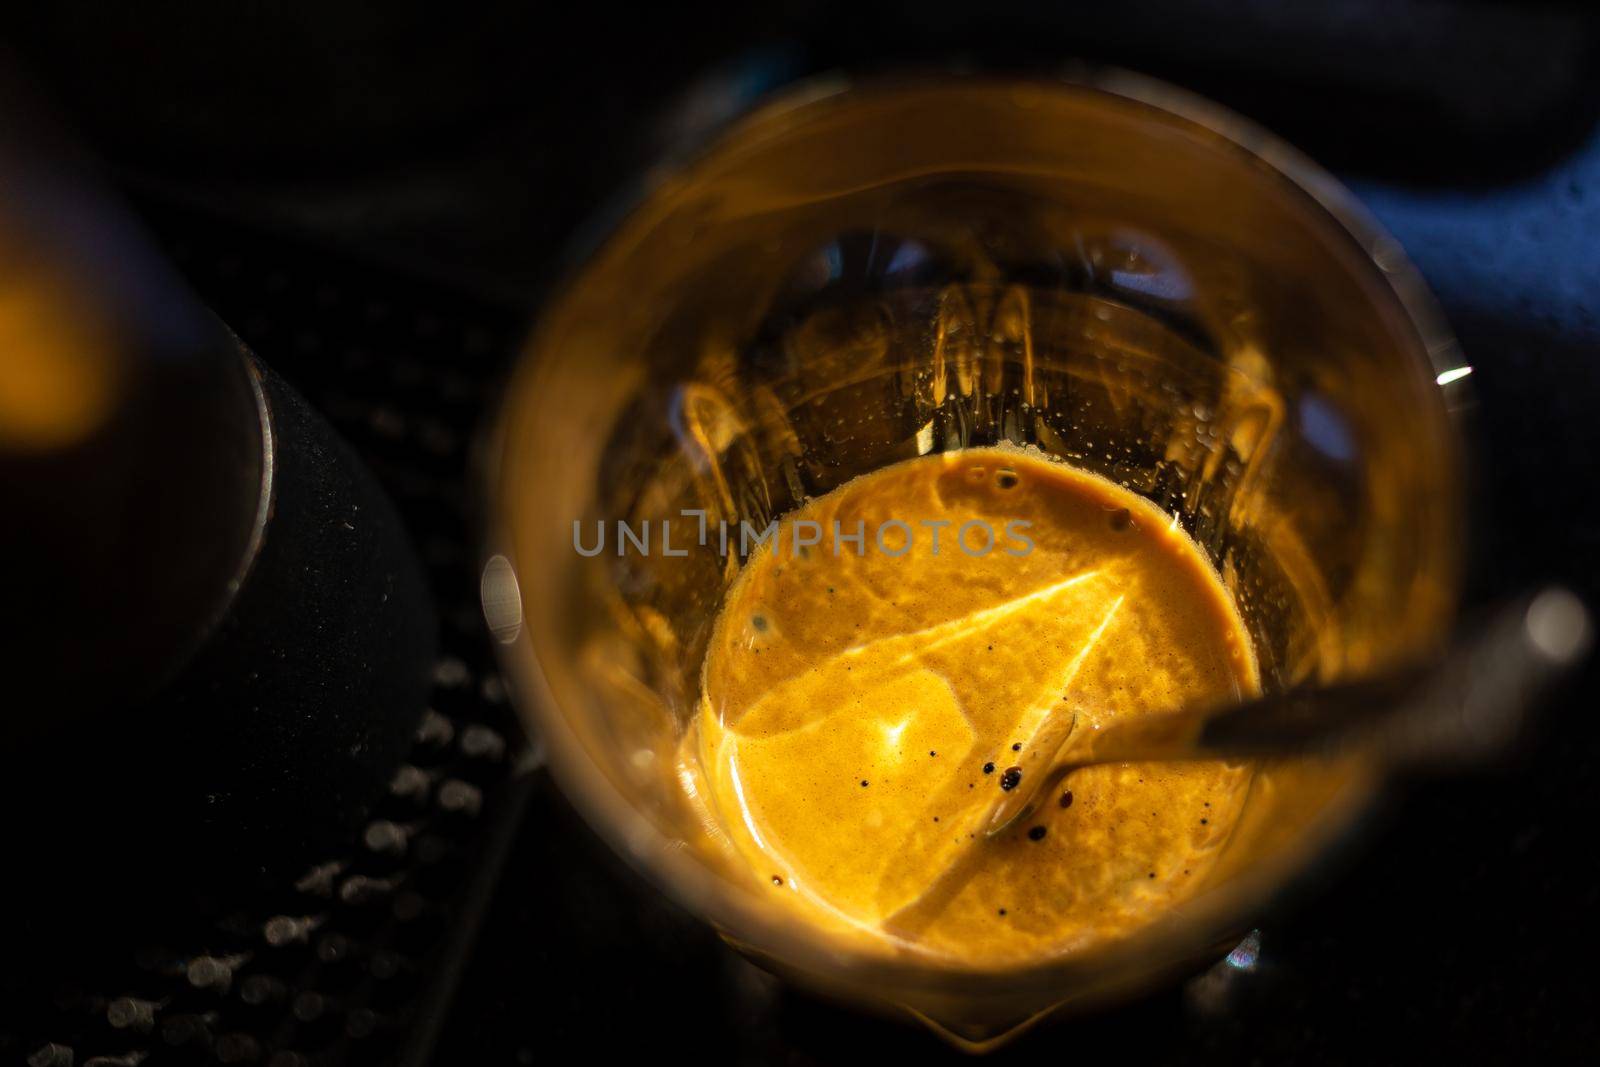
x=217, y=639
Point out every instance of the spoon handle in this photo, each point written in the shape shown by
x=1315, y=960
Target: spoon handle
x=1453, y=712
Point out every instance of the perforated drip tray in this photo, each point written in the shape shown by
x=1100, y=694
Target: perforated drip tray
x=354, y=961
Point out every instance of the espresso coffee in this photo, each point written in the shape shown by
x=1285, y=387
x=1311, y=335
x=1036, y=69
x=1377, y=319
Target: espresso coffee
x=880, y=663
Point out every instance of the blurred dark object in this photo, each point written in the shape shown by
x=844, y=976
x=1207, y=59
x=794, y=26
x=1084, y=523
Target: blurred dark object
x=305, y=89
x=328, y=87
x=465, y=141
x=131, y=442
x=217, y=639
x=348, y=958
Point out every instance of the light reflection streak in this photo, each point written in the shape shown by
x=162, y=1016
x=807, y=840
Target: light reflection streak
x=941, y=634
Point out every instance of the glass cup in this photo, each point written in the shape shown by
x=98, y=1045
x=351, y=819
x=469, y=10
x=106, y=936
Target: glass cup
x=1103, y=267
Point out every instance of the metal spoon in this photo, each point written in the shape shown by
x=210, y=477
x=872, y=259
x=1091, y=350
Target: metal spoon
x=1444, y=714
x=1447, y=713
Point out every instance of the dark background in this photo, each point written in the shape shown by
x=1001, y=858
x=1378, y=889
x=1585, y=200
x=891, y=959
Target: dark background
x=473, y=147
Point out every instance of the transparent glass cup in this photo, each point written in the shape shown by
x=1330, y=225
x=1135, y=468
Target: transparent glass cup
x=852, y=275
